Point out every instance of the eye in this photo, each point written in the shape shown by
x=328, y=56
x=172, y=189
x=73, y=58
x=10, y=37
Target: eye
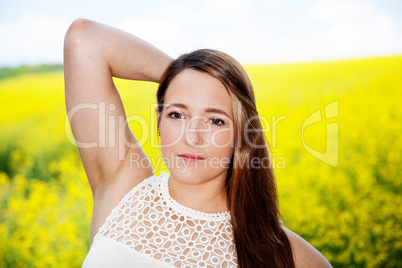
x=217, y=121
x=175, y=115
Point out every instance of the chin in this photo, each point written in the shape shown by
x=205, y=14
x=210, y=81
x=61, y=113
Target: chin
x=194, y=175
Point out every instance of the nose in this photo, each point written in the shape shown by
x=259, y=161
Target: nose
x=196, y=131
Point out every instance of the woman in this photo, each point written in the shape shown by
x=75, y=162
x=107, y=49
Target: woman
x=213, y=209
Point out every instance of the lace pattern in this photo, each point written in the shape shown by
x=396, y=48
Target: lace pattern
x=148, y=220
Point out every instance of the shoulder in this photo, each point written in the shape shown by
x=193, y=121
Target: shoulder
x=305, y=255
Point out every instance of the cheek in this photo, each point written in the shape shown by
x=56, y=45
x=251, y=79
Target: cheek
x=223, y=138
x=171, y=133
x=222, y=142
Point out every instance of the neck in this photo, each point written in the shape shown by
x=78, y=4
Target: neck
x=208, y=197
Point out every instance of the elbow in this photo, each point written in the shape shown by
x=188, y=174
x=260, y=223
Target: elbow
x=76, y=35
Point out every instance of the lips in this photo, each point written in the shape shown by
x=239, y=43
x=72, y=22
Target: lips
x=191, y=157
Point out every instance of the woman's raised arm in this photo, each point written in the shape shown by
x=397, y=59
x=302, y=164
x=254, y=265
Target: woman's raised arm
x=93, y=54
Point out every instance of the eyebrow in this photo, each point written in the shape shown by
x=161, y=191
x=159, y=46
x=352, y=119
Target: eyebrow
x=207, y=110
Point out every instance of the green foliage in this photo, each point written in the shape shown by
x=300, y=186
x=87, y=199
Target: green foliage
x=6, y=72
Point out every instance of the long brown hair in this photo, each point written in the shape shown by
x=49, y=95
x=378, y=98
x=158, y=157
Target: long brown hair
x=252, y=196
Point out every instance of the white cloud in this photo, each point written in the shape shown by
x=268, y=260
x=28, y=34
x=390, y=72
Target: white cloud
x=32, y=40
x=337, y=11
x=160, y=32
x=226, y=9
x=353, y=29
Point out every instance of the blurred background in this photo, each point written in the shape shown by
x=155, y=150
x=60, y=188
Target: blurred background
x=328, y=83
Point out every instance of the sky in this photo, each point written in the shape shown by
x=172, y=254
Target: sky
x=252, y=31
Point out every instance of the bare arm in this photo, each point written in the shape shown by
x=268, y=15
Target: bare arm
x=93, y=54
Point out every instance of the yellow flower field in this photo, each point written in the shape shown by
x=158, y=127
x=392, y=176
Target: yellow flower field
x=334, y=130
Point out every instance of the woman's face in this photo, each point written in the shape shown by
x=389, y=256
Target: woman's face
x=196, y=128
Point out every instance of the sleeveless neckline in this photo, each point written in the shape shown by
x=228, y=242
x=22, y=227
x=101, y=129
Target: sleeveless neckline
x=196, y=214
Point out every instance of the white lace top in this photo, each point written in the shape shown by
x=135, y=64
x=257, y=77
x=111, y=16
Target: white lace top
x=148, y=228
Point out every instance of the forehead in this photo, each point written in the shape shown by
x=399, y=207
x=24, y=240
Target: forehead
x=198, y=90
